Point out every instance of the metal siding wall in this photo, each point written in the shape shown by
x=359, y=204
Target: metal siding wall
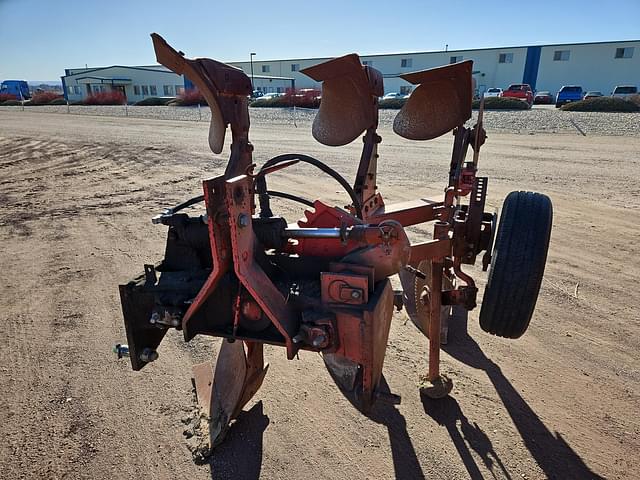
x=64, y=89
x=531, y=65
x=594, y=67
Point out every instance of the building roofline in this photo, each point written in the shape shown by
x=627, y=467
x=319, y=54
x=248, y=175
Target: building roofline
x=273, y=78
x=147, y=69
x=162, y=69
x=444, y=51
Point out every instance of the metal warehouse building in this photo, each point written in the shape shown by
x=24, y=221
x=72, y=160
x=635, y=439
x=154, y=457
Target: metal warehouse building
x=595, y=66
x=138, y=83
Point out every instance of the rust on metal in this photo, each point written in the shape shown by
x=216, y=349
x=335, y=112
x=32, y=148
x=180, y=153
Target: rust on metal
x=441, y=102
x=252, y=278
x=348, y=105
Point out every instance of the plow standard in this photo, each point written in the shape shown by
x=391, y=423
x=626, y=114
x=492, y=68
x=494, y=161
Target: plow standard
x=241, y=272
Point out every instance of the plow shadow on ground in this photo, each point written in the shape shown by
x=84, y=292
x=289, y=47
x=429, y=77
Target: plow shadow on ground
x=240, y=455
x=550, y=451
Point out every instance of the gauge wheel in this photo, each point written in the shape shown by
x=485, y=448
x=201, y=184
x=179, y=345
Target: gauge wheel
x=517, y=264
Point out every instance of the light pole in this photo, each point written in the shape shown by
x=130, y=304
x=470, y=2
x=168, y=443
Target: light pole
x=251, y=61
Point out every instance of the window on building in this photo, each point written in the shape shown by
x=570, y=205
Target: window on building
x=168, y=90
x=70, y=90
x=505, y=58
x=76, y=89
x=406, y=63
x=626, y=52
x=266, y=68
x=295, y=67
x=455, y=59
x=136, y=89
x=368, y=63
x=405, y=89
x=561, y=55
x=179, y=89
x=145, y=90
x=153, y=90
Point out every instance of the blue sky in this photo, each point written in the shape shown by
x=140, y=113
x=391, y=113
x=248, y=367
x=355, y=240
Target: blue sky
x=39, y=39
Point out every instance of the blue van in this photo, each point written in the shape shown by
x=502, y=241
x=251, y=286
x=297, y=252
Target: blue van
x=569, y=93
x=18, y=88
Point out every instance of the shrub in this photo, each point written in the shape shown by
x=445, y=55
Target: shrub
x=303, y=98
x=602, y=104
x=58, y=101
x=189, y=98
x=11, y=103
x=635, y=99
x=112, y=97
x=7, y=96
x=43, y=98
x=389, y=103
x=501, y=103
x=153, y=101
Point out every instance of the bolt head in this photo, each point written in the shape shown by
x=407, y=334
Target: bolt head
x=243, y=220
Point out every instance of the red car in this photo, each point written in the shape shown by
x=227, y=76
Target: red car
x=521, y=91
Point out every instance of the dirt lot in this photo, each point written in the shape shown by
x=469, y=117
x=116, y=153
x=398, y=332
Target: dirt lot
x=77, y=195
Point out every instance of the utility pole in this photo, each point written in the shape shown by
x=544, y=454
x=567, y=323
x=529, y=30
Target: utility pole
x=251, y=61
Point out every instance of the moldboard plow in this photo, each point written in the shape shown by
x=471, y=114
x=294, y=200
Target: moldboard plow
x=245, y=274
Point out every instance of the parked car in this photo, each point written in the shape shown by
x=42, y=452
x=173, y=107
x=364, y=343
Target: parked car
x=543, y=97
x=592, y=94
x=521, y=91
x=568, y=94
x=624, y=91
x=269, y=96
x=392, y=95
x=493, y=92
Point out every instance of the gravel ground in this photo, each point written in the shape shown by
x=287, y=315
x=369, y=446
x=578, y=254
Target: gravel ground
x=77, y=195
x=541, y=119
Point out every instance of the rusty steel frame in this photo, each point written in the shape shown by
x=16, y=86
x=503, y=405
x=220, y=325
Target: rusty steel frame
x=357, y=300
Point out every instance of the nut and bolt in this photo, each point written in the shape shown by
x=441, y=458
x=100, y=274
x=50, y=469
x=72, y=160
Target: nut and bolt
x=148, y=355
x=355, y=294
x=121, y=349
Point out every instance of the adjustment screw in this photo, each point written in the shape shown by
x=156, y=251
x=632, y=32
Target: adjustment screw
x=355, y=294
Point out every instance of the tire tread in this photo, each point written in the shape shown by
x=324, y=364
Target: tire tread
x=517, y=265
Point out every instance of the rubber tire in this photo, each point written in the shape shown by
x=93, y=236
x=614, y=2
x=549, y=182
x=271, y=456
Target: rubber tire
x=517, y=264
